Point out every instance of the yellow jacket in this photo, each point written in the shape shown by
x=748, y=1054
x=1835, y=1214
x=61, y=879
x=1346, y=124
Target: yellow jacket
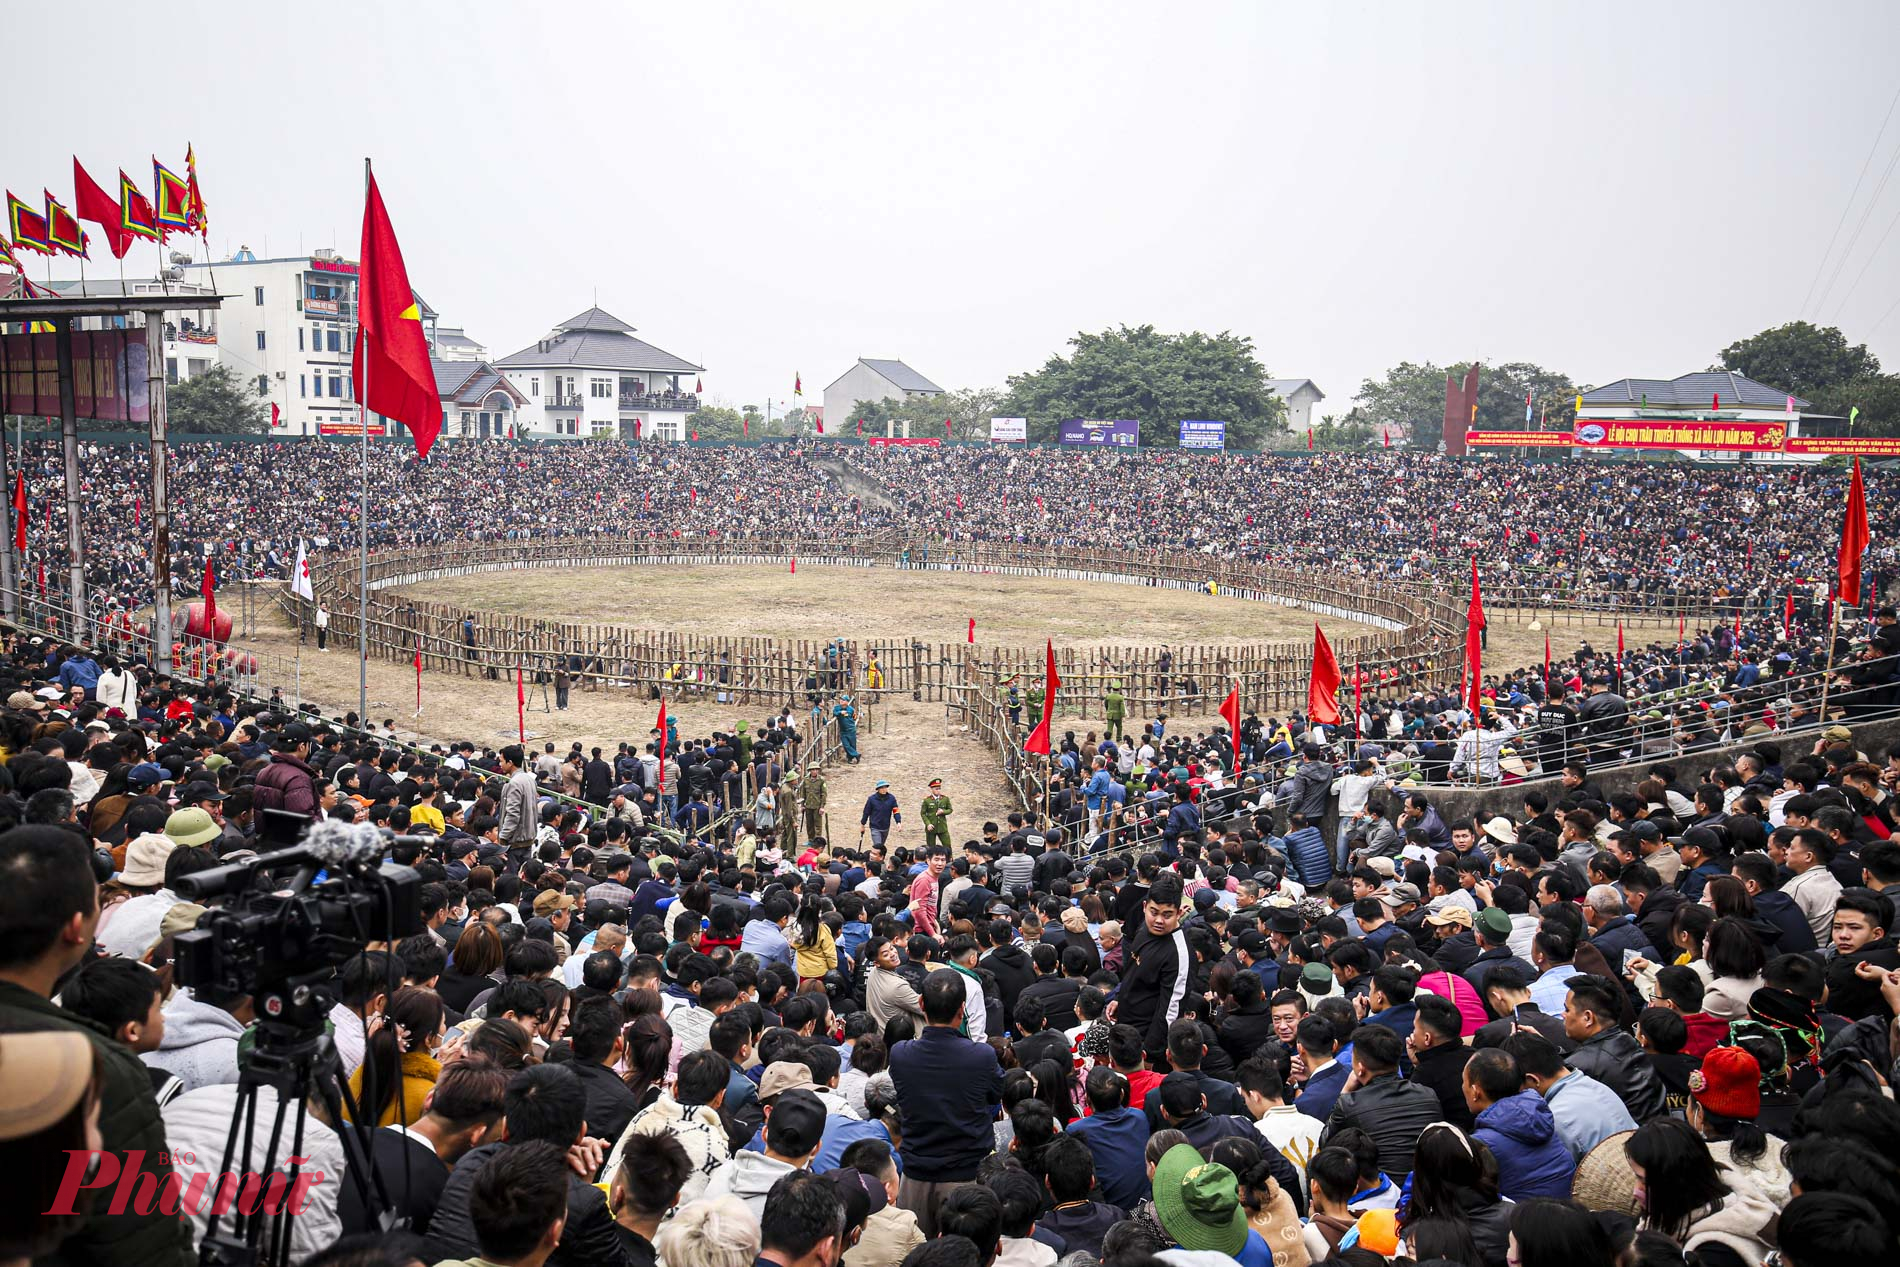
x=819, y=958
x=419, y=1072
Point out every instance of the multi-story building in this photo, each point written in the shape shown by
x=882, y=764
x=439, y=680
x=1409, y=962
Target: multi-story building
x=872, y=380
x=190, y=338
x=590, y=376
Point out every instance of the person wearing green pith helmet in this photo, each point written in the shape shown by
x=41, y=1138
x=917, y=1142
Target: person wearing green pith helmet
x=1197, y=1203
x=1114, y=708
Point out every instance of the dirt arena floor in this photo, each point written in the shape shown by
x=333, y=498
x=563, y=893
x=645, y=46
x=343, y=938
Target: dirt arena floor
x=823, y=603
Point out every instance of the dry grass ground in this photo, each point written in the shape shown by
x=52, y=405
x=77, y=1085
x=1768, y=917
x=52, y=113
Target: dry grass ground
x=903, y=741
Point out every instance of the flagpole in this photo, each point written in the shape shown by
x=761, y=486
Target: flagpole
x=1827, y=674
x=362, y=522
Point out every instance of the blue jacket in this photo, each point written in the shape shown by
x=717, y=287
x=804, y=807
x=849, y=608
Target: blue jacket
x=879, y=809
x=1097, y=788
x=1398, y=1019
x=1312, y=860
x=1522, y=1134
x=1322, y=1091
x=948, y=1088
x=80, y=671
x=1182, y=819
x=1116, y=1140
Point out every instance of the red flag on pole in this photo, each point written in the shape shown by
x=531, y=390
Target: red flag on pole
x=1619, y=656
x=1386, y=436
x=1309, y=442
x=1038, y=740
x=662, y=747
x=138, y=509
x=947, y=433
x=93, y=203
x=418, y=679
x=1787, y=617
x=1358, y=687
x=1547, y=664
x=1322, y=686
x=521, y=705
x=1474, y=646
x=391, y=363
x=1682, y=630
x=42, y=573
x=794, y=567
x=276, y=415
x=1854, y=539
x=211, y=599
x=1230, y=713
x=972, y=634
x=19, y=510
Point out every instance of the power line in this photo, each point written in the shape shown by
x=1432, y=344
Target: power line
x=1868, y=162
x=1874, y=255
x=1873, y=200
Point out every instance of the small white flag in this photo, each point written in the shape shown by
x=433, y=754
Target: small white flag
x=300, y=576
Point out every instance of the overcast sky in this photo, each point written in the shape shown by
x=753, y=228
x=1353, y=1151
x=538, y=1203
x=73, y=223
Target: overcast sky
x=770, y=188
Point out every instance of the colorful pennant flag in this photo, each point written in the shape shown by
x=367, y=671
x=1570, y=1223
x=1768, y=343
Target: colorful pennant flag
x=1853, y=416
x=27, y=226
x=798, y=384
x=200, y=222
x=172, y=198
x=135, y=212
x=62, y=230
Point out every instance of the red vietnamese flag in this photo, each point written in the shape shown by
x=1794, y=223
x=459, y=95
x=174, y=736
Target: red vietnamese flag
x=276, y=415
x=93, y=203
x=1038, y=740
x=1787, y=617
x=1230, y=713
x=391, y=366
x=208, y=589
x=1309, y=441
x=19, y=510
x=972, y=634
x=1547, y=664
x=1322, y=686
x=418, y=679
x=1474, y=645
x=662, y=747
x=1386, y=436
x=1854, y=539
x=947, y=433
x=821, y=426
x=521, y=706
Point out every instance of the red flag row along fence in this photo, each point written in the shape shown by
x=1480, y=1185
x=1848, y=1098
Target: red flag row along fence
x=1415, y=635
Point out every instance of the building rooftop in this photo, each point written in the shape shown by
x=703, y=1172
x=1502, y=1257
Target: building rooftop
x=1691, y=391
x=598, y=340
x=1285, y=387
x=899, y=374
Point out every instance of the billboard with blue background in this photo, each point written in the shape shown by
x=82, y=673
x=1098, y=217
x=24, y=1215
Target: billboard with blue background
x=1203, y=435
x=1125, y=433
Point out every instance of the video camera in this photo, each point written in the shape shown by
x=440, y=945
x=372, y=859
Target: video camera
x=284, y=935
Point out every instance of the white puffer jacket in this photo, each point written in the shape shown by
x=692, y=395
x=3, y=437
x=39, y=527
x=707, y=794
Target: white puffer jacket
x=197, y=1124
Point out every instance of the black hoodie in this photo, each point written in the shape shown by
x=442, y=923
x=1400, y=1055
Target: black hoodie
x=1013, y=972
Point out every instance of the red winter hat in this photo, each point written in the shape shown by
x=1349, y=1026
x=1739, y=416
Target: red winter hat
x=1728, y=1083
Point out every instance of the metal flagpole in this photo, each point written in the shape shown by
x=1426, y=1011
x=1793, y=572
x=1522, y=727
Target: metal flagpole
x=362, y=523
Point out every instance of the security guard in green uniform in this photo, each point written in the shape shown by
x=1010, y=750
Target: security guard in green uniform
x=1114, y=708
x=936, y=812
x=789, y=788
x=811, y=799
x=1033, y=700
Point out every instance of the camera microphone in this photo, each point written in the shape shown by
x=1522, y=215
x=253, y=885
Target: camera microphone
x=338, y=844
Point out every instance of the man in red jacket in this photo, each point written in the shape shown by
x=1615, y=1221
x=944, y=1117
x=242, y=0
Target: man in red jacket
x=288, y=783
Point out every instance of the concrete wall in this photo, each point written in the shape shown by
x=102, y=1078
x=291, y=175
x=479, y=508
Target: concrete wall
x=1484, y=802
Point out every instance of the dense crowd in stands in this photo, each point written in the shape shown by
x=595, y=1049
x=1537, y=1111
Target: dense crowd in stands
x=1624, y=1020
x=1643, y=532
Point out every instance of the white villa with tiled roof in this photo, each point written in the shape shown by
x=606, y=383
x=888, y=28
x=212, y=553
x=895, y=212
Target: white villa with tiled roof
x=591, y=376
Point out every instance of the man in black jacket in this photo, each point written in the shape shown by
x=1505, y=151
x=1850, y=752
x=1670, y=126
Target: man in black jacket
x=1439, y=1055
x=1605, y=1051
x=1009, y=964
x=1187, y=1047
x=1157, y=968
x=1377, y=1101
x=594, y=1036
x=544, y=1103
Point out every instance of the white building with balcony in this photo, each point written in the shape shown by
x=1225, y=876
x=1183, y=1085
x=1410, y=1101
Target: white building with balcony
x=590, y=376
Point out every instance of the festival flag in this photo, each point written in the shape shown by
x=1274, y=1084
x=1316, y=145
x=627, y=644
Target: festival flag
x=418, y=679
x=971, y=636
x=798, y=384
x=695, y=435
x=1386, y=436
x=1038, y=740
x=95, y=204
x=136, y=216
x=636, y=428
x=1791, y=404
x=947, y=432
x=1322, y=685
x=1580, y=402
x=794, y=567
x=1718, y=402
x=276, y=415
x=300, y=575
x=1682, y=630
x=19, y=510
x=745, y=427
x=1474, y=646
x=138, y=508
x=391, y=366
x=1230, y=713
x=11, y=260
x=662, y=747
x=1853, y=415
x=208, y=587
x=27, y=226
x=195, y=213
x=820, y=423
x=172, y=199
x=1787, y=617
x=521, y=706
x=860, y=428
x=699, y=386
x=1309, y=441
x=1546, y=664
x=1619, y=656
x=1854, y=539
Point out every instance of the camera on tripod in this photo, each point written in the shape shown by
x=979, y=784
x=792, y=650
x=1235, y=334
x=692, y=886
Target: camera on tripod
x=298, y=913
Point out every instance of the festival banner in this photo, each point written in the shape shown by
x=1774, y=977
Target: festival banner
x=110, y=379
x=352, y=427
x=1859, y=446
x=1679, y=433
x=931, y=442
x=1009, y=430
x=1203, y=435
x=1120, y=434
x=1525, y=439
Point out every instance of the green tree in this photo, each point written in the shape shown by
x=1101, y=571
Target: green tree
x=1158, y=379
x=968, y=410
x=715, y=423
x=1800, y=358
x=1411, y=398
x=1877, y=396
x=215, y=403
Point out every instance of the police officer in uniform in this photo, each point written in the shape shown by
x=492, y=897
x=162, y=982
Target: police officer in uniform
x=936, y=814
x=811, y=799
x=1114, y=708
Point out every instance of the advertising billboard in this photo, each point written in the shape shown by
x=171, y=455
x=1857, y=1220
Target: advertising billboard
x=1121, y=434
x=1527, y=439
x=111, y=380
x=1203, y=435
x=1679, y=433
x=1009, y=430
